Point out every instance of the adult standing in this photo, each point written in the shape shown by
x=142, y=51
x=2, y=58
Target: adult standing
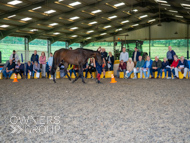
x=35, y=57
x=14, y=57
x=135, y=56
x=170, y=55
x=124, y=55
x=43, y=63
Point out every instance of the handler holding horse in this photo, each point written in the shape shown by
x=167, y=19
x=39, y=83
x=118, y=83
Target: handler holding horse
x=76, y=57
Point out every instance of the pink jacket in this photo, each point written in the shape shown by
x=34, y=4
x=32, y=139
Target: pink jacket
x=42, y=60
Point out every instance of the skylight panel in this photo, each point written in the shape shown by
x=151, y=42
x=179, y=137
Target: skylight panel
x=11, y=16
x=96, y=11
x=94, y=22
x=50, y=11
x=73, y=28
x=125, y=21
x=75, y=17
x=14, y=2
x=75, y=3
x=111, y=17
x=53, y=24
x=26, y=19
x=103, y=34
x=37, y=8
x=107, y=26
x=143, y=16
x=4, y=26
x=119, y=4
x=56, y=33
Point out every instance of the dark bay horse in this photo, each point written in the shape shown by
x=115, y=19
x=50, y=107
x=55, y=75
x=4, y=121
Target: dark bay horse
x=77, y=57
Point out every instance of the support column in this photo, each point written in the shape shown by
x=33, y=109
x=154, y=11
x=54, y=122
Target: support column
x=187, y=41
x=26, y=48
x=81, y=45
x=48, y=47
x=149, y=41
x=67, y=45
x=114, y=46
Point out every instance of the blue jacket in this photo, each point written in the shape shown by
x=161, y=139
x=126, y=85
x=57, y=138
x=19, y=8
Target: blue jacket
x=34, y=58
x=185, y=63
x=137, y=56
x=149, y=65
x=29, y=67
x=165, y=64
x=173, y=53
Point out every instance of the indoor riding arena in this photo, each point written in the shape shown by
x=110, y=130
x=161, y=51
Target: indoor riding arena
x=94, y=71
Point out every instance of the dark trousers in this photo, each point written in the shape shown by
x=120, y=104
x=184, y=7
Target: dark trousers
x=170, y=61
x=91, y=69
x=154, y=70
x=19, y=71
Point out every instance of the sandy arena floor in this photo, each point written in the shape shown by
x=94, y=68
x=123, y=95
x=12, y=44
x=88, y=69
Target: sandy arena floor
x=130, y=111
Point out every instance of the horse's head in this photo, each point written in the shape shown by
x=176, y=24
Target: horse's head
x=98, y=58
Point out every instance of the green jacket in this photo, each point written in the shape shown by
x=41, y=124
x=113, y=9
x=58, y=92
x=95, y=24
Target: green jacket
x=159, y=64
x=140, y=64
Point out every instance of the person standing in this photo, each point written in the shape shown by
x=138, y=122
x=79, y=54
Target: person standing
x=43, y=63
x=35, y=57
x=14, y=57
x=135, y=56
x=124, y=56
x=110, y=61
x=170, y=55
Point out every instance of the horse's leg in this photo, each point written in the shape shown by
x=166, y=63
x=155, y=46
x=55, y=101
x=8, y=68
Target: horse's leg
x=65, y=70
x=81, y=73
x=77, y=77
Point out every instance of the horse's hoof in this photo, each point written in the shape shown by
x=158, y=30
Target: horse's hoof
x=73, y=81
x=54, y=81
x=84, y=82
x=69, y=79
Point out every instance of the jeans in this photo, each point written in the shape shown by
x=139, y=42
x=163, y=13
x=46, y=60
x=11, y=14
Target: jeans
x=185, y=71
x=154, y=70
x=148, y=74
x=118, y=71
x=5, y=74
x=137, y=71
x=34, y=72
x=128, y=74
x=173, y=71
x=165, y=71
x=62, y=74
x=72, y=70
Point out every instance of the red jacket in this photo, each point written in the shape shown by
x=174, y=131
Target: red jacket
x=174, y=63
x=122, y=66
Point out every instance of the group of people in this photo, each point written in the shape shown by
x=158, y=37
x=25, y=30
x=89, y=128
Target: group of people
x=170, y=65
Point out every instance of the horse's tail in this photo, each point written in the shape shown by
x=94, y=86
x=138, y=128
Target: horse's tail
x=53, y=68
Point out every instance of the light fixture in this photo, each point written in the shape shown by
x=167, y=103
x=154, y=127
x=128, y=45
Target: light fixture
x=165, y=4
x=88, y=37
x=33, y=30
x=75, y=3
x=74, y=36
x=56, y=33
x=4, y=26
x=90, y=31
x=11, y=16
x=135, y=10
x=161, y=1
x=143, y=16
x=73, y=28
x=37, y=8
x=107, y=26
x=50, y=11
x=53, y=24
x=135, y=25
x=119, y=4
x=176, y=32
x=75, y=17
x=96, y=11
x=127, y=35
x=183, y=4
x=173, y=11
x=125, y=21
x=152, y=20
x=179, y=16
x=111, y=17
x=60, y=0
x=94, y=22
x=119, y=29
x=103, y=34
x=26, y=19
x=14, y=2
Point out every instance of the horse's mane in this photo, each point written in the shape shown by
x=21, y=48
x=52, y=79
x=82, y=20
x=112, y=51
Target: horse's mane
x=89, y=50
